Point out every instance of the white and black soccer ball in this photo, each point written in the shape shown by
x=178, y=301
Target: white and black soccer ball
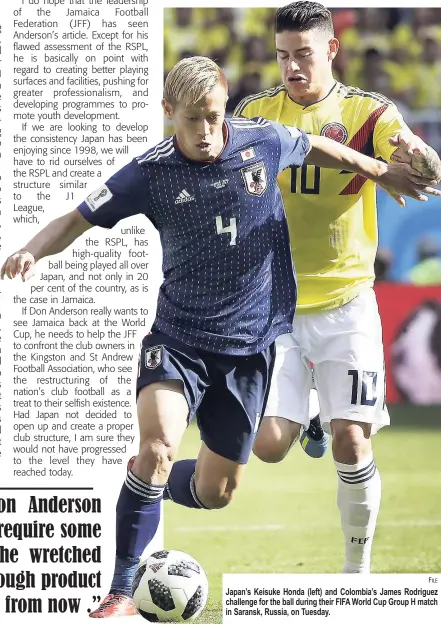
x=170, y=586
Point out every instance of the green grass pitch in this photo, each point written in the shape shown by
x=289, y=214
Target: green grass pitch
x=284, y=517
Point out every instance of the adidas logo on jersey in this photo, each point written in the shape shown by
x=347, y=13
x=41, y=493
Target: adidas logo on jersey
x=184, y=197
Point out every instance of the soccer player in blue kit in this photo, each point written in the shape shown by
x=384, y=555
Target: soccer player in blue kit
x=229, y=290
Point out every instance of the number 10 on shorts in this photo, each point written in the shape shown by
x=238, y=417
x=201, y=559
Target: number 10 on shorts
x=365, y=393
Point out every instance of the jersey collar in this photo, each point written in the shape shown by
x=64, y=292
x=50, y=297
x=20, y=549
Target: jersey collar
x=312, y=107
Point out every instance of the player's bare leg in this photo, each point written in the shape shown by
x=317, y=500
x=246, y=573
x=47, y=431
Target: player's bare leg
x=208, y=482
x=292, y=408
x=359, y=491
x=275, y=438
x=277, y=435
x=228, y=418
x=216, y=478
x=162, y=415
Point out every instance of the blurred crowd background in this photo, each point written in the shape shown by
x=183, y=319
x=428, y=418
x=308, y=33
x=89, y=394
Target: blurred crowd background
x=394, y=51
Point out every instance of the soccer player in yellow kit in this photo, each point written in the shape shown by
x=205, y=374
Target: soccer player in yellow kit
x=333, y=228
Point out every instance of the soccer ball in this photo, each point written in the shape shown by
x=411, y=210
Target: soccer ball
x=170, y=586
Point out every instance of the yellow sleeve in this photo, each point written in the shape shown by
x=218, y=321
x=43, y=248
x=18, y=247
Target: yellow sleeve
x=389, y=124
x=247, y=108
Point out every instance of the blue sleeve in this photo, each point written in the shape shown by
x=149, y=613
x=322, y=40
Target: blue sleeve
x=125, y=194
x=294, y=146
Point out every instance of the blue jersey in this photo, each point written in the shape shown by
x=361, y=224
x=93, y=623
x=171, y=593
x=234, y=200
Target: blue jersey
x=229, y=285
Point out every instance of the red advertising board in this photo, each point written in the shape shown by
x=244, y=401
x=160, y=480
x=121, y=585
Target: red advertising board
x=411, y=317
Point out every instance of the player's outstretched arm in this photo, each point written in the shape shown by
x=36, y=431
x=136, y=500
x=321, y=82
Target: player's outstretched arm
x=398, y=179
x=411, y=149
x=54, y=238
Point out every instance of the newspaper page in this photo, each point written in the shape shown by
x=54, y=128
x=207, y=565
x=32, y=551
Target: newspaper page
x=81, y=85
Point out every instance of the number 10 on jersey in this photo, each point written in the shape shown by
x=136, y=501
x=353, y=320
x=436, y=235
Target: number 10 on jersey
x=305, y=179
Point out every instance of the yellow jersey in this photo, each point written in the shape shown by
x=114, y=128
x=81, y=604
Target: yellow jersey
x=332, y=215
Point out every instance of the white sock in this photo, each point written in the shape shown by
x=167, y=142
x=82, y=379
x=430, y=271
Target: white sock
x=358, y=499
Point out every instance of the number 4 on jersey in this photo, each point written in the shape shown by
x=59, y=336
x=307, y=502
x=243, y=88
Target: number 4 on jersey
x=231, y=229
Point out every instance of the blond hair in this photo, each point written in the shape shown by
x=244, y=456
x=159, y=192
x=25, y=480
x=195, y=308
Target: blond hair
x=191, y=79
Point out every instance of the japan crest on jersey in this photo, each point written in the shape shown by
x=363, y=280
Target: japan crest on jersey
x=153, y=357
x=255, y=178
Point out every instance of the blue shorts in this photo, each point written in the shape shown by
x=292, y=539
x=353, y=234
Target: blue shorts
x=227, y=393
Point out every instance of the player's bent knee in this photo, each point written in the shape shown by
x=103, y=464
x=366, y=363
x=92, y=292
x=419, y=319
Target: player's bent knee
x=351, y=441
x=216, y=478
x=270, y=452
x=275, y=439
x=215, y=499
x=216, y=502
x=216, y=495
x=155, y=459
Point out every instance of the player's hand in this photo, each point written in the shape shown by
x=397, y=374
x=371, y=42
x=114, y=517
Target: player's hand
x=400, y=180
x=21, y=263
x=406, y=143
x=412, y=150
